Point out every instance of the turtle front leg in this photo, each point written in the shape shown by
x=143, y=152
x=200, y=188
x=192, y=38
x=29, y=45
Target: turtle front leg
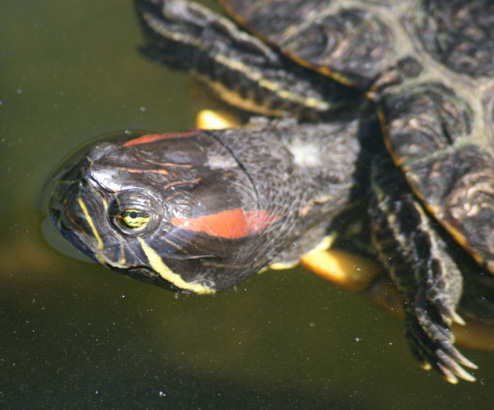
x=412, y=247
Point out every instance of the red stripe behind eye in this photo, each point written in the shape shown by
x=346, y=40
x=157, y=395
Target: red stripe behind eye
x=148, y=138
x=232, y=224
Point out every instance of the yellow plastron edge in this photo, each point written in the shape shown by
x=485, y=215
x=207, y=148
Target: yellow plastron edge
x=341, y=268
x=215, y=120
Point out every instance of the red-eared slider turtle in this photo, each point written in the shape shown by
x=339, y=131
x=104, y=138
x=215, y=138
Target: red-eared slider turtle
x=200, y=211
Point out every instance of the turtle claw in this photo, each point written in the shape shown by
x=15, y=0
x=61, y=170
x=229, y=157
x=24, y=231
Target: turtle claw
x=456, y=318
x=454, y=356
x=449, y=313
x=448, y=376
x=433, y=347
x=451, y=368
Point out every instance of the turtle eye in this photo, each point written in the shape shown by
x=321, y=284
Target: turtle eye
x=133, y=219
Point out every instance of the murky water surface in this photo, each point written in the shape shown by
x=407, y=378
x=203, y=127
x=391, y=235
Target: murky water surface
x=75, y=335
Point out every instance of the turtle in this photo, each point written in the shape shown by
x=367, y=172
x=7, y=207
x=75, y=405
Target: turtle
x=383, y=103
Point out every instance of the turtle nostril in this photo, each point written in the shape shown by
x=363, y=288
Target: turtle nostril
x=82, y=180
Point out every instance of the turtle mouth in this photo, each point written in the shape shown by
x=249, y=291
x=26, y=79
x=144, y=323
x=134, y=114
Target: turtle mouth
x=69, y=234
x=64, y=241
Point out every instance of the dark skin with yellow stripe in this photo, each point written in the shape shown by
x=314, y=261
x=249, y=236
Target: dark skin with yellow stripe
x=203, y=210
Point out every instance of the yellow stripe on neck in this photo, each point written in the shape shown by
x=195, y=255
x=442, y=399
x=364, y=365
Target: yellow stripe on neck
x=165, y=272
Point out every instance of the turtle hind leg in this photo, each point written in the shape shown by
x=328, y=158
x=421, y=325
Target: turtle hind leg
x=413, y=248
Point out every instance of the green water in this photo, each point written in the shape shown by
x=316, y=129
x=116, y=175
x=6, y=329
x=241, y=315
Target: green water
x=77, y=336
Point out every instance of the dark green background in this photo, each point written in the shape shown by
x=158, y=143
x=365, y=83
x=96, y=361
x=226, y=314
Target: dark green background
x=75, y=335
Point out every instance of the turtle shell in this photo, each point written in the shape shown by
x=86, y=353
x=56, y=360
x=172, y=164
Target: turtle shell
x=429, y=67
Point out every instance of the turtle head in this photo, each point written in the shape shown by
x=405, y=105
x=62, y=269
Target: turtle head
x=157, y=214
